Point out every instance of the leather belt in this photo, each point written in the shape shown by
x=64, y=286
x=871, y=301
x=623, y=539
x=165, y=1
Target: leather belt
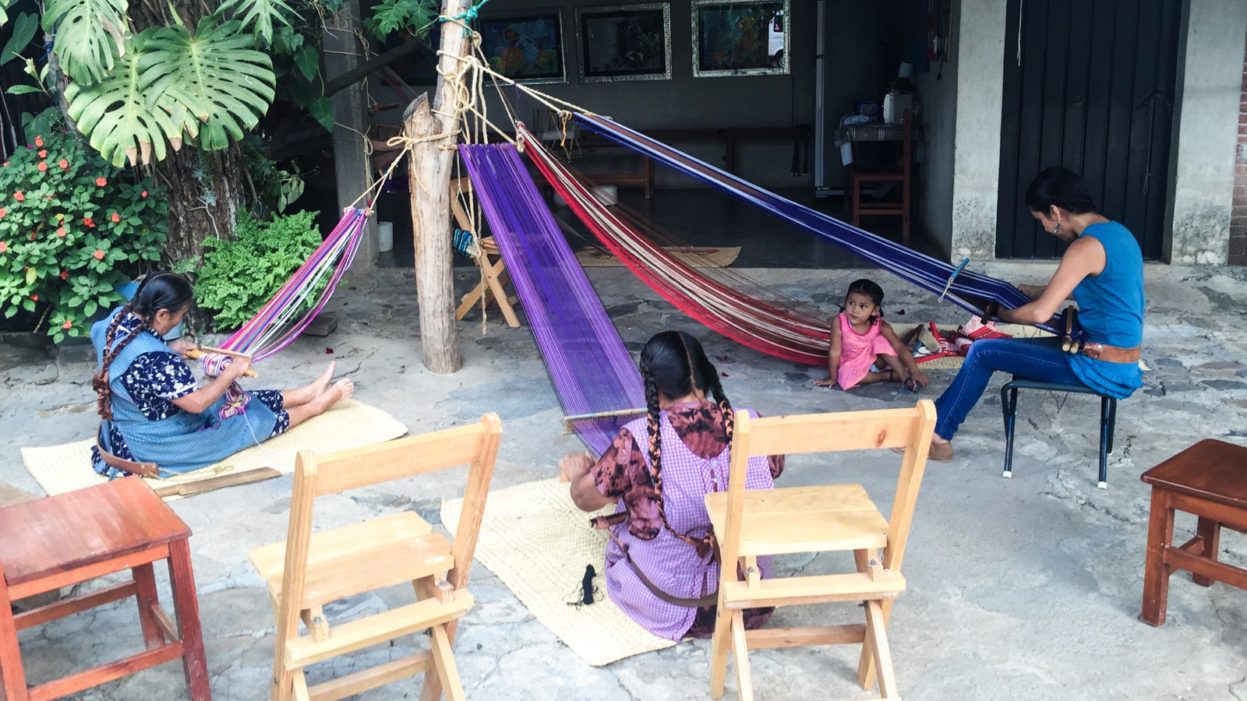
x=146, y=469
x=1111, y=354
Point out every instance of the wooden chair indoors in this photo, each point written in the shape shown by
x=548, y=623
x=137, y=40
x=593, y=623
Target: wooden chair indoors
x=830, y=518
x=896, y=174
x=488, y=258
x=309, y=571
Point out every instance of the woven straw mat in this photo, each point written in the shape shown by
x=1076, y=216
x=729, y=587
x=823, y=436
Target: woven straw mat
x=538, y=542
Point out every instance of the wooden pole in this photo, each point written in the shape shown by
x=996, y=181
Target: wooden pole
x=428, y=171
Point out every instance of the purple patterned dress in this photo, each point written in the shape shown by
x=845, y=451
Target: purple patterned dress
x=695, y=462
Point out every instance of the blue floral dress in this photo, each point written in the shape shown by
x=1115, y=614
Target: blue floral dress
x=145, y=378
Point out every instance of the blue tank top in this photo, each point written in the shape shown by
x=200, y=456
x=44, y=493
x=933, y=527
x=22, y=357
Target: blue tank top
x=1110, y=309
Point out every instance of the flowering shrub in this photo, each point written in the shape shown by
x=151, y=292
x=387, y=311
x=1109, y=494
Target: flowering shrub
x=72, y=228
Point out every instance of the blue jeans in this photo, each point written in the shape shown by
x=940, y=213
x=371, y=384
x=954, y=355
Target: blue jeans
x=1034, y=359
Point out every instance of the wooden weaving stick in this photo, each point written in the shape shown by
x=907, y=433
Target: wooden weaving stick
x=187, y=489
x=201, y=351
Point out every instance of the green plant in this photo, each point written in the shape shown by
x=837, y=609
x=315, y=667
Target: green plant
x=72, y=228
x=237, y=277
x=273, y=188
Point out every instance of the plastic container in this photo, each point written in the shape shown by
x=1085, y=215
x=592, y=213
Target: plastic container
x=385, y=236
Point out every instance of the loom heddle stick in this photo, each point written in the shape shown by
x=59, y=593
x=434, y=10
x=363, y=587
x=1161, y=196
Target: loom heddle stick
x=604, y=414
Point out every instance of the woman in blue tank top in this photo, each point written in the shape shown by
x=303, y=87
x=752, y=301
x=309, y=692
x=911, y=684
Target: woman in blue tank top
x=1102, y=270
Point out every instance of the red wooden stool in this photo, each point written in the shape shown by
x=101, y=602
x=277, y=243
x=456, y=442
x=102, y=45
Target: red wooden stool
x=1209, y=479
x=63, y=540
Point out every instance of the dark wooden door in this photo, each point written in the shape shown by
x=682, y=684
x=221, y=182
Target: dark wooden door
x=1093, y=91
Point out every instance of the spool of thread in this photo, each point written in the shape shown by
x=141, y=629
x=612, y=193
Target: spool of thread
x=586, y=585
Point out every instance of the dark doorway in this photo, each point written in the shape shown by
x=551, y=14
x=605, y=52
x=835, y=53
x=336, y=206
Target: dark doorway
x=1093, y=91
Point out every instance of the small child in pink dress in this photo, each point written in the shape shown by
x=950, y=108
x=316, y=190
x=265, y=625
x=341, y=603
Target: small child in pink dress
x=864, y=348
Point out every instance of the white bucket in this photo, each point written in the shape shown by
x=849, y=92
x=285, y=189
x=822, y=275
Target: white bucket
x=385, y=236
x=608, y=195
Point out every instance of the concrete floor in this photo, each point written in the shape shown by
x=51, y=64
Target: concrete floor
x=1018, y=589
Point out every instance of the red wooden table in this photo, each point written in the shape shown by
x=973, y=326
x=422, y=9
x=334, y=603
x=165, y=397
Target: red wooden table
x=75, y=537
x=1209, y=480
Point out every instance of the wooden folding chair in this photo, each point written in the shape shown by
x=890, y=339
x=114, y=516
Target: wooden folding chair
x=489, y=259
x=308, y=571
x=838, y=517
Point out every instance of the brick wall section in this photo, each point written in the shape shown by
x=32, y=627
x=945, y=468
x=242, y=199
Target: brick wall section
x=1238, y=215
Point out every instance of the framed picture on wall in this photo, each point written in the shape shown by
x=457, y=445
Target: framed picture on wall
x=625, y=42
x=526, y=47
x=740, y=37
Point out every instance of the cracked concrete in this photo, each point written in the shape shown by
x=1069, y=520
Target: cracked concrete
x=1023, y=589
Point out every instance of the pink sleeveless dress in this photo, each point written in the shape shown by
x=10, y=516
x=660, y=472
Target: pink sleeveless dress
x=858, y=351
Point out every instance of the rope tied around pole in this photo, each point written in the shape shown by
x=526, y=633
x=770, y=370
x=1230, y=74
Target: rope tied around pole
x=466, y=17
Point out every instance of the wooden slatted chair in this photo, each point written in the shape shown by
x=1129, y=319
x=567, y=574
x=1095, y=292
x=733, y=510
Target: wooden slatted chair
x=310, y=570
x=838, y=517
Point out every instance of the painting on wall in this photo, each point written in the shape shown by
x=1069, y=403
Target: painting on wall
x=526, y=47
x=625, y=42
x=740, y=37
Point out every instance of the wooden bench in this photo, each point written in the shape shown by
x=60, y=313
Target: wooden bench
x=1209, y=480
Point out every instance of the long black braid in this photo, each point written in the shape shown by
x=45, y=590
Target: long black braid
x=674, y=364
x=158, y=291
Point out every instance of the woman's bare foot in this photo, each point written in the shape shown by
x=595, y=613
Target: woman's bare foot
x=307, y=393
x=320, y=384
x=340, y=391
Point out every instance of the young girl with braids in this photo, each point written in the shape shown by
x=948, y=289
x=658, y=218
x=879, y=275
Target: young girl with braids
x=660, y=566
x=152, y=407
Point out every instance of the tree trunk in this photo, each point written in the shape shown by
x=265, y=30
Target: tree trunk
x=429, y=168
x=428, y=178
x=204, y=189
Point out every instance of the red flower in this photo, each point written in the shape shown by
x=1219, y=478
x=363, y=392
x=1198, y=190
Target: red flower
x=34, y=297
x=39, y=141
x=19, y=196
x=101, y=181
x=33, y=236
x=43, y=167
x=43, y=153
x=99, y=254
x=115, y=217
x=89, y=222
x=143, y=194
x=60, y=232
x=3, y=246
x=64, y=164
x=64, y=274
x=67, y=325
x=3, y=212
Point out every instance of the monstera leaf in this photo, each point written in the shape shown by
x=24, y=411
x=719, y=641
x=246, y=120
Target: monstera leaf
x=258, y=15
x=209, y=89
x=217, y=74
x=122, y=117
x=88, y=36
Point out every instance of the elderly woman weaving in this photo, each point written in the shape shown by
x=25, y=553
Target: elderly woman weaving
x=156, y=419
x=660, y=561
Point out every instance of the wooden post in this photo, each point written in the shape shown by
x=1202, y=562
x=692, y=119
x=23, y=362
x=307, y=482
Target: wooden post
x=428, y=170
